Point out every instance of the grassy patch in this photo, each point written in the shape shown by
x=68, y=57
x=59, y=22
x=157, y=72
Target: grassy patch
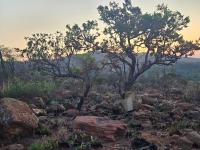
x=19, y=88
x=50, y=145
x=83, y=141
x=43, y=130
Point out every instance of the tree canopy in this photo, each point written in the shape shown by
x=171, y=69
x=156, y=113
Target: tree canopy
x=132, y=40
x=156, y=36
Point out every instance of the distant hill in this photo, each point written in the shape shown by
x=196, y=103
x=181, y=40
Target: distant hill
x=189, y=67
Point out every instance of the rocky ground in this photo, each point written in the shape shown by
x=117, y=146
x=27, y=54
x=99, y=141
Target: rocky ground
x=155, y=122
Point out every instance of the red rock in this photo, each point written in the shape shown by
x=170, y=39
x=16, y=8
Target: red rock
x=153, y=94
x=181, y=142
x=142, y=114
x=55, y=108
x=146, y=107
x=71, y=112
x=13, y=147
x=194, y=137
x=149, y=100
x=16, y=117
x=63, y=94
x=184, y=106
x=153, y=138
x=104, y=128
x=184, y=143
x=147, y=124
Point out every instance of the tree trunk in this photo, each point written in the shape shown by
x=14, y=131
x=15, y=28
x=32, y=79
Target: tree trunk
x=131, y=79
x=3, y=65
x=5, y=75
x=87, y=89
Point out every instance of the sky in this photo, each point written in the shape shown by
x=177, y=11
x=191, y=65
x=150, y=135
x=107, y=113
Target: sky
x=21, y=18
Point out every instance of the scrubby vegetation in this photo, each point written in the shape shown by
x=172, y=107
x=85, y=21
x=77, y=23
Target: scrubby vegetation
x=123, y=88
x=50, y=145
x=17, y=88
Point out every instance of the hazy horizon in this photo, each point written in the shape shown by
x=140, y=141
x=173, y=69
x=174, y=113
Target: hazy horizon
x=20, y=18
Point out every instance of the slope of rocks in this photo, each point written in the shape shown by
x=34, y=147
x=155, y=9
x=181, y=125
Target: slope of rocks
x=154, y=122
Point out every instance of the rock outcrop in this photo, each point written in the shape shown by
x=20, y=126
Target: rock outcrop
x=16, y=118
x=104, y=128
x=13, y=147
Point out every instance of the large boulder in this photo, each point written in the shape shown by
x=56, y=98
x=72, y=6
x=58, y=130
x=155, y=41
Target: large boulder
x=149, y=100
x=194, y=137
x=104, y=128
x=71, y=112
x=181, y=142
x=16, y=118
x=13, y=147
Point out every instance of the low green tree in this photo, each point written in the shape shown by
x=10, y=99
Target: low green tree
x=136, y=41
x=56, y=54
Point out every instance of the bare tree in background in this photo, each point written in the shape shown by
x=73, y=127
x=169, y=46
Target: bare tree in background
x=7, y=67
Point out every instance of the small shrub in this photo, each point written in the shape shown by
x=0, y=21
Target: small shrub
x=191, y=91
x=53, y=102
x=100, y=80
x=50, y=145
x=83, y=141
x=178, y=126
x=43, y=130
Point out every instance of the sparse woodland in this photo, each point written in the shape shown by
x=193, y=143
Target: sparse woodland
x=126, y=85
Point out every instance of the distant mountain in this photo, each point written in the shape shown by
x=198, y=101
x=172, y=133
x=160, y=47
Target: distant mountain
x=186, y=67
x=189, y=60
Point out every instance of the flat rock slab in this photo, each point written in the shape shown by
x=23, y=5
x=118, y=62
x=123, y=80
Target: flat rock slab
x=104, y=128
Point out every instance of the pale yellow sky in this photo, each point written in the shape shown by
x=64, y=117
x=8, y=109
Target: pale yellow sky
x=20, y=18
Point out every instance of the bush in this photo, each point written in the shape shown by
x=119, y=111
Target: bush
x=19, y=88
x=83, y=141
x=50, y=145
x=43, y=130
x=191, y=91
x=180, y=125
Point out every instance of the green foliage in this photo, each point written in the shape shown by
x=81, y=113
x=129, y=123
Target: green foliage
x=75, y=70
x=86, y=58
x=19, y=88
x=176, y=127
x=83, y=141
x=87, y=63
x=53, y=101
x=129, y=32
x=42, y=49
x=50, y=145
x=191, y=91
x=100, y=80
x=43, y=130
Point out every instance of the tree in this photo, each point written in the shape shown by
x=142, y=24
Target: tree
x=136, y=41
x=3, y=66
x=53, y=53
x=6, y=64
x=89, y=69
